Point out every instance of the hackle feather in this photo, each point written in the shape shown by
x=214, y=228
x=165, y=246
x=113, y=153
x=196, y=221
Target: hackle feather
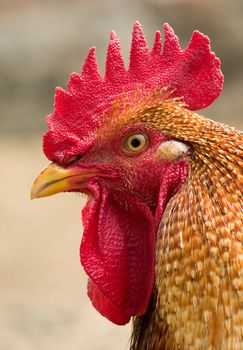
x=199, y=281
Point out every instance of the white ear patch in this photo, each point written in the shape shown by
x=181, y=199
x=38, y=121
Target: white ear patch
x=171, y=150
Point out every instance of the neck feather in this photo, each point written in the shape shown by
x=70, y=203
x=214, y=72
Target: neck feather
x=196, y=303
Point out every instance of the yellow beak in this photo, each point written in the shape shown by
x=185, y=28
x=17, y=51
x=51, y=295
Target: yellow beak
x=55, y=179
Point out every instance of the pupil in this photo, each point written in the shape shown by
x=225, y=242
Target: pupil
x=135, y=143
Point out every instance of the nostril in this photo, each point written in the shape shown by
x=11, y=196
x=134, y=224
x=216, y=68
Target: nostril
x=73, y=159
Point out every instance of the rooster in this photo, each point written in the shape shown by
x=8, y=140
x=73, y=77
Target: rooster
x=162, y=241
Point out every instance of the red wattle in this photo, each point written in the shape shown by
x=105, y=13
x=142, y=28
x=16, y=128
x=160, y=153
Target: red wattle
x=118, y=252
x=104, y=307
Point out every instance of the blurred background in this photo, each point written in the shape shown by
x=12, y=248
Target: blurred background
x=43, y=302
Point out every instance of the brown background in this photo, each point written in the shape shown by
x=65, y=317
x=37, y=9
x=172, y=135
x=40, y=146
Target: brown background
x=43, y=302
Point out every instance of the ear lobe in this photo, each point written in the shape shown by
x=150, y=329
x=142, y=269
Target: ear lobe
x=171, y=150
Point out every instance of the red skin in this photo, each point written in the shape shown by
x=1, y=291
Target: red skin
x=126, y=202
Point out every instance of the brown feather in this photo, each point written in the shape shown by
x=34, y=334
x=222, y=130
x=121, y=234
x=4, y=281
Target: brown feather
x=199, y=268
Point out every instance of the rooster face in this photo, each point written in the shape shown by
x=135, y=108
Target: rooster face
x=129, y=162
x=128, y=186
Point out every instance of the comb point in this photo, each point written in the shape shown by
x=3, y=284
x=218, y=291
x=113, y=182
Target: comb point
x=115, y=68
x=171, y=42
x=157, y=43
x=199, y=40
x=138, y=38
x=90, y=67
x=139, y=53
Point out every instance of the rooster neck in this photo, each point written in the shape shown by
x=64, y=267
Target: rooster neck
x=198, y=288
x=196, y=300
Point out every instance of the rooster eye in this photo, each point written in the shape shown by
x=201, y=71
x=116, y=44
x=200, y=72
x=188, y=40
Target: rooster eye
x=135, y=143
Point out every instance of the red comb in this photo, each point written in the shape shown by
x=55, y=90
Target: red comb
x=193, y=73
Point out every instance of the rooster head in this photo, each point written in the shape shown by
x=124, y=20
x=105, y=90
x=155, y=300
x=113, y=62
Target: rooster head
x=101, y=143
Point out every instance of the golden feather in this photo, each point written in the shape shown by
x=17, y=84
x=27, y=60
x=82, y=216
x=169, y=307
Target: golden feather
x=199, y=267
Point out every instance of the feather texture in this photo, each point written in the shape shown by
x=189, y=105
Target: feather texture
x=199, y=263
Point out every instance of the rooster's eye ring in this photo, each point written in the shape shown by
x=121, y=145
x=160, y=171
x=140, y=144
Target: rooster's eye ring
x=135, y=143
